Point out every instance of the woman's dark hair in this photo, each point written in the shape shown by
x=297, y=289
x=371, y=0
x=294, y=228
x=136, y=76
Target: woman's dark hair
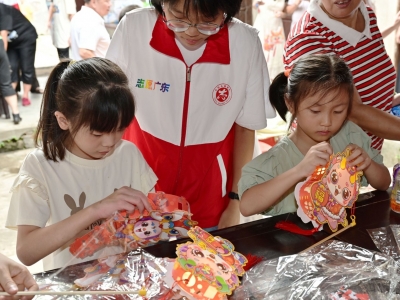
x=92, y=92
x=207, y=8
x=310, y=75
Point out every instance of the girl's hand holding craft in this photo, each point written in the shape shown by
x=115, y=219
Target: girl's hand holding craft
x=318, y=155
x=124, y=198
x=358, y=158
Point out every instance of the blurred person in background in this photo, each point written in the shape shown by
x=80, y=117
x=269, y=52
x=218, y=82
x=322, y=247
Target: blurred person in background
x=60, y=16
x=89, y=36
x=270, y=26
x=19, y=37
x=296, y=8
x=6, y=89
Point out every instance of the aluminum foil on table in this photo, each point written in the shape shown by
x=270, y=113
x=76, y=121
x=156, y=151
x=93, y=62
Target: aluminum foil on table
x=332, y=270
x=387, y=240
x=125, y=272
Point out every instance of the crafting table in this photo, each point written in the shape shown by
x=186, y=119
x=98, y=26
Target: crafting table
x=261, y=238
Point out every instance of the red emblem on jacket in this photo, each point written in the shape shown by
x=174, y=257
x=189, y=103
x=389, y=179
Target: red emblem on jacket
x=222, y=94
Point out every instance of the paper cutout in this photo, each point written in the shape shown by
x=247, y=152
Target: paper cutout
x=208, y=267
x=347, y=294
x=324, y=196
x=170, y=218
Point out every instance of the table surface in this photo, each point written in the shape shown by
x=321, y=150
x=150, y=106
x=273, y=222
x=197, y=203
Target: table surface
x=261, y=238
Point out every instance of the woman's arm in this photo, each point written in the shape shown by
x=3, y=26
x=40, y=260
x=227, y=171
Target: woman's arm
x=291, y=8
x=50, y=16
x=374, y=120
x=392, y=27
x=86, y=53
x=4, y=36
x=243, y=150
x=34, y=243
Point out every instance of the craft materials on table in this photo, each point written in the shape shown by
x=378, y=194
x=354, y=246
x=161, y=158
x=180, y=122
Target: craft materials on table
x=169, y=219
x=333, y=270
x=324, y=196
x=134, y=275
x=207, y=268
x=387, y=240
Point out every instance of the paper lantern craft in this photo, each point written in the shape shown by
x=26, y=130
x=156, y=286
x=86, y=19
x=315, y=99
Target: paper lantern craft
x=325, y=195
x=207, y=268
x=169, y=219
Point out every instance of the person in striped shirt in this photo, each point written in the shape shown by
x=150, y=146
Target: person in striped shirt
x=348, y=28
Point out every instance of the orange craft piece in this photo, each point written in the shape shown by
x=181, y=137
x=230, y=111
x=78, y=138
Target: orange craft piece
x=325, y=195
x=208, y=267
x=170, y=218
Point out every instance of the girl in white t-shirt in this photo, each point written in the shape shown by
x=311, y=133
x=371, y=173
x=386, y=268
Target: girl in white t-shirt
x=84, y=171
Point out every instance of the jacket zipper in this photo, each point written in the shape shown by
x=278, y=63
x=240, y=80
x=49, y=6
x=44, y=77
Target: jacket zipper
x=188, y=70
x=184, y=125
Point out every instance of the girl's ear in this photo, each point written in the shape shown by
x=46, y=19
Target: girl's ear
x=289, y=105
x=62, y=120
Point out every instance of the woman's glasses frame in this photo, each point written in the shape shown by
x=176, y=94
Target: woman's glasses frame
x=178, y=25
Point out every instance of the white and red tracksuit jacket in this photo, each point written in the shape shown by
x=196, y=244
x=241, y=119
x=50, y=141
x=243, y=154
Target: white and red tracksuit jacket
x=185, y=115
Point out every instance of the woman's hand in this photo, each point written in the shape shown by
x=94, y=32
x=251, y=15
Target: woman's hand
x=124, y=198
x=257, y=3
x=396, y=99
x=14, y=277
x=358, y=158
x=318, y=155
x=280, y=14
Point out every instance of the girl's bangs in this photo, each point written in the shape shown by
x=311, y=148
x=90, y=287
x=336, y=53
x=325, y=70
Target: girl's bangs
x=108, y=112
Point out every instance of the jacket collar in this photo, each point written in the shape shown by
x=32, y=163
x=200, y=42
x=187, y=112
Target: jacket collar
x=216, y=51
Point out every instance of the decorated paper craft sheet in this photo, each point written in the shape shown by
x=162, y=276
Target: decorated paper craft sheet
x=324, y=196
x=207, y=268
x=169, y=219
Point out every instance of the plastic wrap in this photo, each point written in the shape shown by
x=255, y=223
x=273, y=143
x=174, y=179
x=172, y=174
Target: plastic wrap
x=332, y=270
x=129, y=272
x=387, y=240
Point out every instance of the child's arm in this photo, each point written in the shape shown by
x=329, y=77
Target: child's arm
x=377, y=175
x=34, y=243
x=262, y=196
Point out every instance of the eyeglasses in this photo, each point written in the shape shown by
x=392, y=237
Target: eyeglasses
x=204, y=28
